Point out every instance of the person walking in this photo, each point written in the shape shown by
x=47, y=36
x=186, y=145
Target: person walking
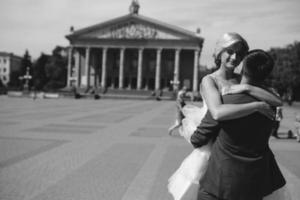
x=179, y=105
x=297, y=127
x=278, y=118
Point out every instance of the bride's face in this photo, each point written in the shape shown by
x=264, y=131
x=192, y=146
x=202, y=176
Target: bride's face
x=232, y=56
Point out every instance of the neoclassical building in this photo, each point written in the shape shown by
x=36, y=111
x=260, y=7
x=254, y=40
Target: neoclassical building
x=134, y=52
x=9, y=64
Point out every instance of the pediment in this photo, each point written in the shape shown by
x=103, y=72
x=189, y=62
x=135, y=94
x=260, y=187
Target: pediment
x=132, y=30
x=133, y=27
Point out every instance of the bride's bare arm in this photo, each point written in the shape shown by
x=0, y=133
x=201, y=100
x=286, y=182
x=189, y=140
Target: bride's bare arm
x=220, y=111
x=259, y=93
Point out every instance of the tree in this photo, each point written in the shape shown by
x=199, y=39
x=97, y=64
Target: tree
x=15, y=81
x=286, y=74
x=3, y=89
x=26, y=62
x=39, y=73
x=56, y=70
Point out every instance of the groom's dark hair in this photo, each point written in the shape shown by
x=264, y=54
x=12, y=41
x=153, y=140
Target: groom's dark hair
x=257, y=65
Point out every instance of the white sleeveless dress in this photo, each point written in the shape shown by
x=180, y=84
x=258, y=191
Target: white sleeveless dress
x=184, y=183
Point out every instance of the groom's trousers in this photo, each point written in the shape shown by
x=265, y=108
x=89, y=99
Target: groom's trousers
x=203, y=195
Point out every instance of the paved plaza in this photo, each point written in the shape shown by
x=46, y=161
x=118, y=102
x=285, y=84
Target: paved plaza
x=67, y=149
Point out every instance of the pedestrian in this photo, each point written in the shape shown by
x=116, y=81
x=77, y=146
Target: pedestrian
x=289, y=96
x=179, y=105
x=278, y=118
x=75, y=93
x=158, y=95
x=34, y=93
x=96, y=93
x=297, y=126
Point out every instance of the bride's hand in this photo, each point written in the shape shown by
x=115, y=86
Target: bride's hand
x=235, y=89
x=266, y=110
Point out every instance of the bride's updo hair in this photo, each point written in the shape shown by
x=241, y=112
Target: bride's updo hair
x=227, y=40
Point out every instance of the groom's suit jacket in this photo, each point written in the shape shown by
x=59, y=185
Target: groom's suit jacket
x=241, y=166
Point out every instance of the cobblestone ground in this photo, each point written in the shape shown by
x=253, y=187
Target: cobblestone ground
x=70, y=149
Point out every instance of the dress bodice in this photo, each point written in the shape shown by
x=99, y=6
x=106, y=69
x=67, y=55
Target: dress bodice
x=222, y=83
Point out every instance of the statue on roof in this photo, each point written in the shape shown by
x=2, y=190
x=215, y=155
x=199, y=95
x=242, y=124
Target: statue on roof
x=134, y=7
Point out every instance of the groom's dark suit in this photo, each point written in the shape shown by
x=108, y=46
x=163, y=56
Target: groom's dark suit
x=241, y=166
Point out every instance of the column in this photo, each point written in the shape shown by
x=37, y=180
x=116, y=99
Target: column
x=87, y=66
x=157, y=71
x=77, y=67
x=103, y=78
x=176, y=70
x=139, y=72
x=121, y=68
x=91, y=71
x=97, y=74
x=69, y=65
x=195, y=77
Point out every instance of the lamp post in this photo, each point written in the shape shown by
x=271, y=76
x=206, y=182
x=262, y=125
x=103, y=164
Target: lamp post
x=175, y=87
x=175, y=84
x=27, y=77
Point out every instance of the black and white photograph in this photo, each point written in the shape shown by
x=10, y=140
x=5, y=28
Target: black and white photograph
x=149, y=100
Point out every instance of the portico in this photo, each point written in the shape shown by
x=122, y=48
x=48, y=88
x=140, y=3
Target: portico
x=134, y=52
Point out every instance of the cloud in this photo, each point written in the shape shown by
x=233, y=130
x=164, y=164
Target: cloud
x=41, y=24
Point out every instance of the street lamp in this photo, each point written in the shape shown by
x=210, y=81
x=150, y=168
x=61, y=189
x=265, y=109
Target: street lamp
x=27, y=77
x=175, y=84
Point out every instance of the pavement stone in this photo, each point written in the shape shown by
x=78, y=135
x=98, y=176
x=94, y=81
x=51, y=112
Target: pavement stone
x=52, y=149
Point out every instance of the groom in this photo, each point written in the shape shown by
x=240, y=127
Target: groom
x=241, y=166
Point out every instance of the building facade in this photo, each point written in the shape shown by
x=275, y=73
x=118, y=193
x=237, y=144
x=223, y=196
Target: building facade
x=9, y=63
x=134, y=52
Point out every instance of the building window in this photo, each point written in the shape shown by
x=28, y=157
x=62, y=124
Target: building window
x=4, y=78
x=4, y=60
x=4, y=70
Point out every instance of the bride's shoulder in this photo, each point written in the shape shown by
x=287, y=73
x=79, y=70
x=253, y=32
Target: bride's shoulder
x=209, y=79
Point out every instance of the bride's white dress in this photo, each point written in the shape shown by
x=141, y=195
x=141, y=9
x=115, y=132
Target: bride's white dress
x=184, y=183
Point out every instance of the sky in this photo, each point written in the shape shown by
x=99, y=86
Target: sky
x=40, y=25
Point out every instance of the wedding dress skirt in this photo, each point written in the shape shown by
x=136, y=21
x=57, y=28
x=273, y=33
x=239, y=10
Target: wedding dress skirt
x=184, y=183
x=280, y=194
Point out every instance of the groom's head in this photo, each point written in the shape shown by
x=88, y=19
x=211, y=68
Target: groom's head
x=257, y=65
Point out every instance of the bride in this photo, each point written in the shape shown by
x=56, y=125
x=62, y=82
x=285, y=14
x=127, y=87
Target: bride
x=229, y=52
